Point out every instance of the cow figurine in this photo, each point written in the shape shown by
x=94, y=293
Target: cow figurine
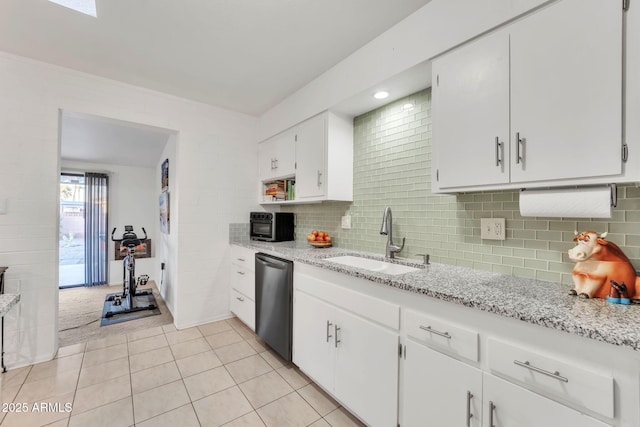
x=598, y=263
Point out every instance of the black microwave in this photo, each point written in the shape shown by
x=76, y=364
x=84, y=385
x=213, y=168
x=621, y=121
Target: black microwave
x=271, y=226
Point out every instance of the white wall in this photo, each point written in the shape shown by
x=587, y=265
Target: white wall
x=436, y=27
x=167, y=244
x=215, y=156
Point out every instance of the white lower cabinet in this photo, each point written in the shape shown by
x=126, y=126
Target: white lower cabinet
x=366, y=371
x=458, y=366
x=352, y=358
x=439, y=390
x=508, y=405
x=242, y=285
x=313, y=344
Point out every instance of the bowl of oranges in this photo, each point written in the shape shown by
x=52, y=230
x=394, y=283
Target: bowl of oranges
x=319, y=239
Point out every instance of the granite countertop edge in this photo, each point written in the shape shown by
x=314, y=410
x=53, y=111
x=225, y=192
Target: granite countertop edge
x=7, y=301
x=538, y=302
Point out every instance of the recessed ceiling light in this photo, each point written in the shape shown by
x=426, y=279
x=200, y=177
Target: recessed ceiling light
x=381, y=94
x=88, y=7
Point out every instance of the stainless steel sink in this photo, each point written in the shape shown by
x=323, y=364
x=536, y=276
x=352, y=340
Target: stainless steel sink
x=372, y=264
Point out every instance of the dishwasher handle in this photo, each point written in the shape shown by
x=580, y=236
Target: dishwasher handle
x=272, y=262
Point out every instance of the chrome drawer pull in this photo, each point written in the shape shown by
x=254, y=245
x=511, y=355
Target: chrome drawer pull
x=433, y=331
x=528, y=365
x=240, y=299
x=328, y=327
x=240, y=272
x=241, y=259
x=469, y=414
x=519, y=152
x=492, y=408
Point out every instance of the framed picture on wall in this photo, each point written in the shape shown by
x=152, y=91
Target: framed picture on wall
x=165, y=175
x=164, y=212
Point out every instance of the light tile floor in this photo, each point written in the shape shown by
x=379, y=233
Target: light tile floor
x=212, y=375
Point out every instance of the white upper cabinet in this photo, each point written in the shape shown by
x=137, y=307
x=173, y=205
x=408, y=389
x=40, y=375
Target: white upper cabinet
x=277, y=157
x=537, y=103
x=471, y=113
x=319, y=159
x=311, y=155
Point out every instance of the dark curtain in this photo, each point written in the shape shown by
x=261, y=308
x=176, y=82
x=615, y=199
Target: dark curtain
x=95, y=229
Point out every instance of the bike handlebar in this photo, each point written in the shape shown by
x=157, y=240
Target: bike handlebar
x=115, y=240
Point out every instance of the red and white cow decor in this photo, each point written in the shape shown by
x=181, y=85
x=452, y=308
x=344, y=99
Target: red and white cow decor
x=599, y=266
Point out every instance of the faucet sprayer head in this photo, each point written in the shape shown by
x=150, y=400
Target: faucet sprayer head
x=384, y=229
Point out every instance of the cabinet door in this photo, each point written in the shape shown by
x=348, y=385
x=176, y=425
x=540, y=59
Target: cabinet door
x=471, y=114
x=435, y=390
x=366, y=374
x=313, y=345
x=566, y=103
x=276, y=157
x=243, y=307
x=311, y=158
x=266, y=157
x=508, y=405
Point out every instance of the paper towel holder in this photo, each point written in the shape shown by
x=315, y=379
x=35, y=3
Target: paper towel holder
x=613, y=187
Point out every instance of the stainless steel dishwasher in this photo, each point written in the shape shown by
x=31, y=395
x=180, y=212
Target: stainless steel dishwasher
x=274, y=302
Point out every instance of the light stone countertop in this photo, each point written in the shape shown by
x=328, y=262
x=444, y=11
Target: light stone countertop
x=538, y=302
x=7, y=301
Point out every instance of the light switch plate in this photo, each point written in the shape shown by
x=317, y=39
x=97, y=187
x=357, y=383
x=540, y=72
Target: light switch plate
x=346, y=222
x=492, y=228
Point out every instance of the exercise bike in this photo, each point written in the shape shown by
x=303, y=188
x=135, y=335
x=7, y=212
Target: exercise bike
x=130, y=300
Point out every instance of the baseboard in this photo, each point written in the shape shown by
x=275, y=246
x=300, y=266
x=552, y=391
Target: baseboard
x=225, y=316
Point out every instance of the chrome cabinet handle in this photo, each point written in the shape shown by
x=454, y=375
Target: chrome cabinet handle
x=276, y=160
x=240, y=299
x=492, y=408
x=335, y=331
x=519, y=142
x=469, y=414
x=319, y=178
x=555, y=374
x=241, y=259
x=240, y=272
x=498, y=149
x=433, y=331
x=328, y=327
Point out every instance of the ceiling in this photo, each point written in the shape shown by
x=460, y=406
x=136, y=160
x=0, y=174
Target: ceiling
x=96, y=139
x=243, y=55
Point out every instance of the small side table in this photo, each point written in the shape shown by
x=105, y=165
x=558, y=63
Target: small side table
x=7, y=301
x=4, y=368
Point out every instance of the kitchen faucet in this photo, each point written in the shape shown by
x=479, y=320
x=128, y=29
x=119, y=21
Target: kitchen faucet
x=387, y=230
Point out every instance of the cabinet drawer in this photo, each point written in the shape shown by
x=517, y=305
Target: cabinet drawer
x=243, y=257
x=243, y=307
x=442, y=335
x=372, y=308
x=585, y=386
x=243, y=280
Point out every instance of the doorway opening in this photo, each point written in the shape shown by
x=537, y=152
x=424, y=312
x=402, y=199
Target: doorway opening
x=83, y=230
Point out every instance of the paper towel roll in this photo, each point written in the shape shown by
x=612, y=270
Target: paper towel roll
x=592, y=202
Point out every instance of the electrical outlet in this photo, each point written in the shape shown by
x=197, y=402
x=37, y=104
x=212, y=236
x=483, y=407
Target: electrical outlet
x=346, y=222
x=492, y=228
